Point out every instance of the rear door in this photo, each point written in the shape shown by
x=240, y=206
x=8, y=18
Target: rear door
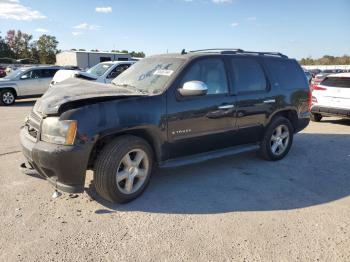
x=29, y=83
x=334, y=92
x=255, y=101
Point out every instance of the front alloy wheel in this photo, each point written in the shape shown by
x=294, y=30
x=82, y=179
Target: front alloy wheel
x=7, y=97
x=132, y=171
x=123, y=169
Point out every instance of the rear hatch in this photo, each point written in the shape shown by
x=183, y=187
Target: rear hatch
x=333, y=91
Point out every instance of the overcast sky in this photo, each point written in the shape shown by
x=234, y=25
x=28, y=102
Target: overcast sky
x=294, y=27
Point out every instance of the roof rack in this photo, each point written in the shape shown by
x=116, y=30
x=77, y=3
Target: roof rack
x=265, y=53
x=218, y=50
x=236, y=51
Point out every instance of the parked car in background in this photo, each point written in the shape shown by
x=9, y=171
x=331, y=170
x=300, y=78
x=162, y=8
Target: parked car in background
x=25, y=83
x=166, y=110
x=314, y=72
x=321, y=76
x=26, y=61
x=331, y=97
x=103, y=72
x=2, y=72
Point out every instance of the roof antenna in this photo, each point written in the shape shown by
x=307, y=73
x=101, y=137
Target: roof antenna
x=183, y=52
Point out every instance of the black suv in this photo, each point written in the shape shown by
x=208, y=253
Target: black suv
x=164, y=111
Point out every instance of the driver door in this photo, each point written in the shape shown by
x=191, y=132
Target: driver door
x=30, y=83
x=201, y=123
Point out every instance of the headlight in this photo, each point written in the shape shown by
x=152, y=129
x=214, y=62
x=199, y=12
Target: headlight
x=58, y=131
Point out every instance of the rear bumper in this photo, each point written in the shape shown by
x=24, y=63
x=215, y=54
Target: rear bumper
x=302, y=124
x=330, y=111
x=62, y=166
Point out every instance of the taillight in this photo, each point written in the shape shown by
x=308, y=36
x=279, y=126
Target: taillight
x=317, y=87
x=310, y=99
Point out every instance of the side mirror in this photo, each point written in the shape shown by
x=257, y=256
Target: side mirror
x=193, y=88
x=23, y=77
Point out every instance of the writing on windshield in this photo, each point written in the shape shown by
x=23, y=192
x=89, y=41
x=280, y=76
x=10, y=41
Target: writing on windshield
x=149, y=75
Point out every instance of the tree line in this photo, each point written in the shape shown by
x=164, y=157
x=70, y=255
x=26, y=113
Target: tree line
x=326, y=60
x=17, y=45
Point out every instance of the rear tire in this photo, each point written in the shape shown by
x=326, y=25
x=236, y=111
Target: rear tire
x=7, y=97
x=277, y=140
x=123, y=169
x=316, y=117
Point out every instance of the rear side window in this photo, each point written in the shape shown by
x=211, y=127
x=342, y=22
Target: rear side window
x=118, y=70
x=48, y=72
x=248, y=76
x=337, y=82
x=286, y=74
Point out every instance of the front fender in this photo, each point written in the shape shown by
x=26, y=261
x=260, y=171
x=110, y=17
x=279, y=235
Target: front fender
x=140, y=116
x=10, y=86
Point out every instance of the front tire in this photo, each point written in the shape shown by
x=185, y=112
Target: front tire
x=7, y=97
x=123, y=169
x=277, y=140
x=316, y=117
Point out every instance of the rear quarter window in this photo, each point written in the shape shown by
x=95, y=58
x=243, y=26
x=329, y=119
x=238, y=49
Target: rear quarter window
x=286, y=74
x=48, y=72
x=343, y=82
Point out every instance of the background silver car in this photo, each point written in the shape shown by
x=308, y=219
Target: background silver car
x=26, y=82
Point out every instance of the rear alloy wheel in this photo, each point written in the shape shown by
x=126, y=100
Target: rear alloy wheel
x=277, y=140
x=7, y=97
x=123, y=169
x=316, y=117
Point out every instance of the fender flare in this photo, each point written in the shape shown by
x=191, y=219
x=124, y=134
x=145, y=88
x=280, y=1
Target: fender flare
x=287, y=110
x=14, y=88
x=145, y=133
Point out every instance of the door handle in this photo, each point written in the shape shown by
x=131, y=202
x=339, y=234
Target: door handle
x=270, y=101
x=226, y=106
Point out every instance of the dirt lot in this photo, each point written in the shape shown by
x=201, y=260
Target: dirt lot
x=237, y=208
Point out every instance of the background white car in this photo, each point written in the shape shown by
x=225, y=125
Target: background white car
x=103, y=72
x=331, y=97
x=26, y=82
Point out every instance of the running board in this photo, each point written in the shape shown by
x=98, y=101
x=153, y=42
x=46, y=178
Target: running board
x=197, y=158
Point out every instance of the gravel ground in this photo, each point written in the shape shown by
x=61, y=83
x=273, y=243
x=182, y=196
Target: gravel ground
x=237, y=208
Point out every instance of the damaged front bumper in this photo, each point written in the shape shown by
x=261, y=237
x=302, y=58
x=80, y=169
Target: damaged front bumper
x=63, y=166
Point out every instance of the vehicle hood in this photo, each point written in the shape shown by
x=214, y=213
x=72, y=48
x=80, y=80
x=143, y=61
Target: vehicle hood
x=75, y=89
x=63, y=74
x=86, y=76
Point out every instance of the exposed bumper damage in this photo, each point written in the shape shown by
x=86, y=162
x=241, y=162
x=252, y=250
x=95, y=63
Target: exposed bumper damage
x=63, y=166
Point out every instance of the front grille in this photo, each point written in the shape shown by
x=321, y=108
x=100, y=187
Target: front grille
x=33, y=124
